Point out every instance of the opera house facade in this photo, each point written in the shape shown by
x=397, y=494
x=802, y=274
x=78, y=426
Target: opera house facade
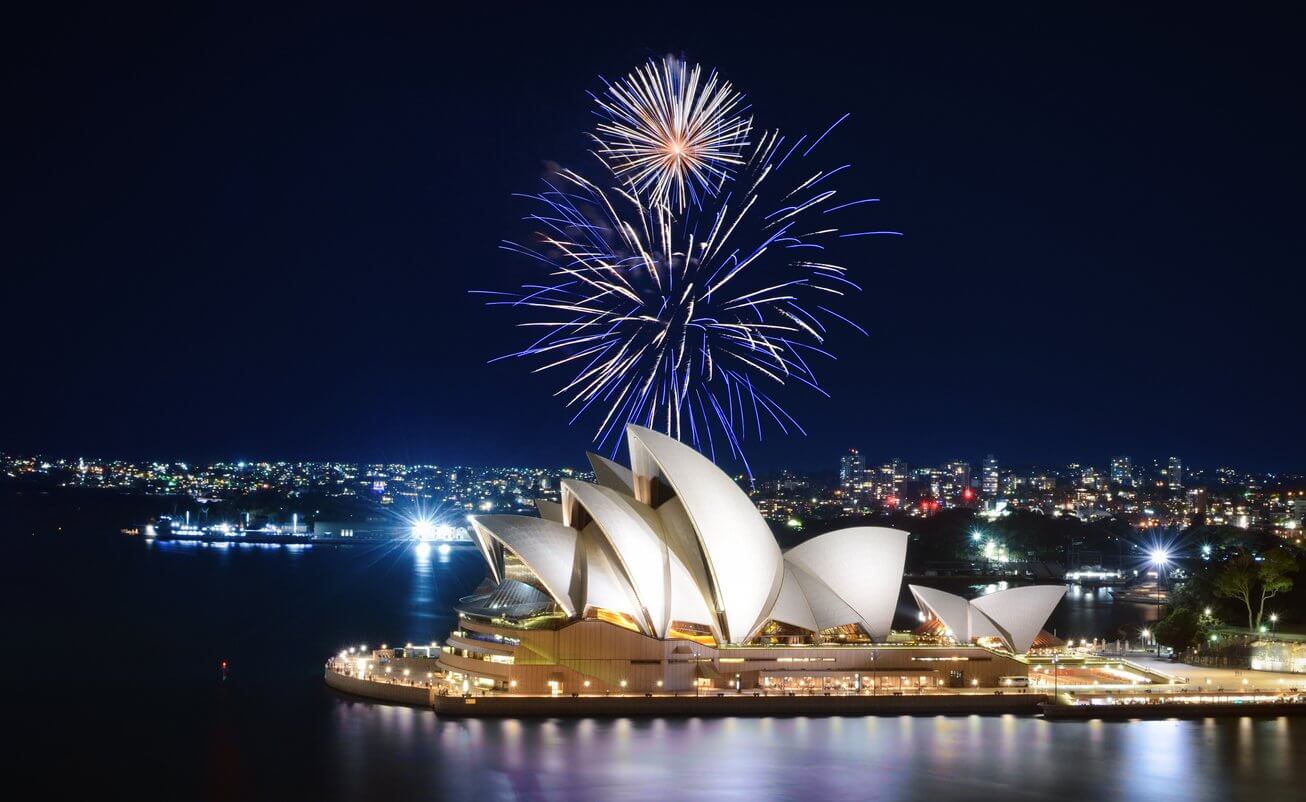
x=662, y=576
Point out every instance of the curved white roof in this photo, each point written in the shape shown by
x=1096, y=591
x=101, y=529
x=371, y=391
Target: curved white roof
x=953, y=610
x=828, y=609
x=673, y=538
x=863, y=566
x=682, y=542
x=605, y=586
x=546, y=547
x=744, y=565
x=549, y=510
x=610, y=474
x=635, y=542
x=490, y=550
x=1020, y=612
x=1015, y=615
x=688, y=604
x=791, y=606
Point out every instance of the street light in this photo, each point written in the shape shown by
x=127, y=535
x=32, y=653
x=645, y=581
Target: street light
x=1274, y=623
x=1160, y=558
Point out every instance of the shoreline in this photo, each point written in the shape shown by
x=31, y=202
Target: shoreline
x=733, y=705
x=300, y=540
x=685, y=705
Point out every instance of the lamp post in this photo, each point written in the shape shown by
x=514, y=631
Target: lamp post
x=1274, y=623
x=1160, y=558
x=1056, y=677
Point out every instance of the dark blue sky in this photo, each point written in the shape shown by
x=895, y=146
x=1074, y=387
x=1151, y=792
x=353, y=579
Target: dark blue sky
x=241, y=232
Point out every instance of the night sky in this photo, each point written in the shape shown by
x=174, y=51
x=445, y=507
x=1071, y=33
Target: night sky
x=230, y=232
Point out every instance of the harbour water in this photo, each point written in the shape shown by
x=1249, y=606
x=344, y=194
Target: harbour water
x=116, y=646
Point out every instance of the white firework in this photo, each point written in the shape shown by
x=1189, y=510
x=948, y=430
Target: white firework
x=670, y=135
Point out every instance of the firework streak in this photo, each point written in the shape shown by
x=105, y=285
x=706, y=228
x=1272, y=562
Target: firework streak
x=687, y=295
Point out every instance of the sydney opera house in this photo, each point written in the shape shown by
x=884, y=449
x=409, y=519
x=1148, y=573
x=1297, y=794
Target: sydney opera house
x=664, y=577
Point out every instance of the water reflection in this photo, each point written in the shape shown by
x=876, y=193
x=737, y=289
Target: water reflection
x=817, y=759
x=421, y=603
x=167, y=612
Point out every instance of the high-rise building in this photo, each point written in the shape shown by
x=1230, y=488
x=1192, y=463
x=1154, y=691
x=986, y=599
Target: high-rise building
x=852, y=478
x=1174, y=474
x=1094, y=479
x=956, y=482
x=991, y=477
x=851, y=468
x=1298, y=506
x=1122, y=471
x=892, y=474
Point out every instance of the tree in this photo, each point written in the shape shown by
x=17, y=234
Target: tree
x=1253, y=583
x=1276, y=577
x=1179, y=629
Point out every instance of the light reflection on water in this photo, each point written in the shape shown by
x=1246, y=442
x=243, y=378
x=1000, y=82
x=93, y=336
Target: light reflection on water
x=802, y=758
x=166, y=613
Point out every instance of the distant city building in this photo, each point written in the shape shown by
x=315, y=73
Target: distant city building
x=1094, y=479
x=889, y=482
x=1122, y=471
x=1298, y=505
x=1198, y=501
x=852, y=480
x=1174, y=474
x=852, y=467
x=991, y=477
x=955, y=483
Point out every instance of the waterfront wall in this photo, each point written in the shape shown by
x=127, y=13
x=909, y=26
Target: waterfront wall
x=383, y=691
x=732, y=705
x=687, y=704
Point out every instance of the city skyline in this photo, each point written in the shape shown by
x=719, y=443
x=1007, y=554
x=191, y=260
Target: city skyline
x=1133, y=464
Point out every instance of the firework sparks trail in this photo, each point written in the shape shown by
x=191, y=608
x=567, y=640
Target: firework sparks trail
x=689, y=319
x=673, y=136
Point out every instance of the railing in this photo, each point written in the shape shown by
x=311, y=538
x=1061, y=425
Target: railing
x=348, y=668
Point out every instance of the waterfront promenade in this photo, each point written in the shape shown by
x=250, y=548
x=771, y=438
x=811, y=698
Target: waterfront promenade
x=1190, y=691
x=446, y=700
x=1230, y=679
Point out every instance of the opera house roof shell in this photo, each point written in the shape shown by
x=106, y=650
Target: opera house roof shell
x=673, y=543
x=1014, y=616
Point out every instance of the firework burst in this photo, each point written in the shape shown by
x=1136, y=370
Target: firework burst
x=674, y=137
x=690, y=322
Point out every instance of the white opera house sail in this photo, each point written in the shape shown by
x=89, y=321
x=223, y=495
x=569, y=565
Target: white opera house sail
x=672, y=544
x=672, y=547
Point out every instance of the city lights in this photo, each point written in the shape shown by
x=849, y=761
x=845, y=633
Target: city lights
x=788, y=426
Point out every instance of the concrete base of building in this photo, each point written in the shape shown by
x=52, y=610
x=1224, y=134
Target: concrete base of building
x=685, y=705
x=591, y=657
x=736, y=705
x=380, y=691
